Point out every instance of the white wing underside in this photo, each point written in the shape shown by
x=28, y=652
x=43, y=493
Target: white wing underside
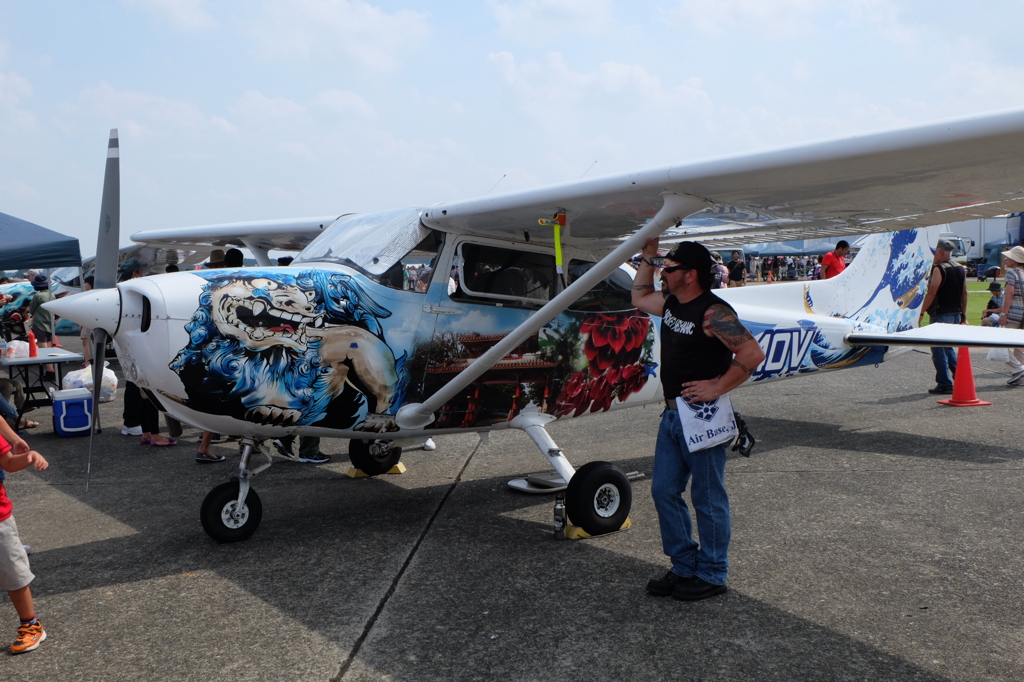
x=942, y=335
x=914, y=177
x=292, y=234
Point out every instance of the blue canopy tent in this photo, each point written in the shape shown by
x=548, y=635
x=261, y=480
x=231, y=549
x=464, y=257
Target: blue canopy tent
x=27, y=245
x=800, y=247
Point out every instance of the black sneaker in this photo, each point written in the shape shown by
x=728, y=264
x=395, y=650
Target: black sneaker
x=210, y=458
x=696, y=589
x=282, y=449
x=318, y=458
x=663, y=587
x=941, y=390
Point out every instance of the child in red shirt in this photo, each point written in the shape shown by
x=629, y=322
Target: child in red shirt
x=15, y=575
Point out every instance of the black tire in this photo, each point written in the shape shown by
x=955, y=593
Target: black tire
x=598, y=498
x=216, y=510
x=373, y=457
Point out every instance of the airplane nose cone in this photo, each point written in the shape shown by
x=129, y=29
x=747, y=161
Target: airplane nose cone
x=99, y=309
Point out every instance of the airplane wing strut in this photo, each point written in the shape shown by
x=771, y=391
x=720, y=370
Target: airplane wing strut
x=674, y=208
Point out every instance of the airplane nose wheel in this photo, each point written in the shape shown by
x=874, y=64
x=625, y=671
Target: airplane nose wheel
x=223, y=520
x=373, y=457
x=598, y=498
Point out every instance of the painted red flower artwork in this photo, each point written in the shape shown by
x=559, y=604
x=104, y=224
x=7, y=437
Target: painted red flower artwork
x=613, y=344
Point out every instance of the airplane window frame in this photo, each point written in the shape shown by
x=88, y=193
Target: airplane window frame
x=425, y=274
x=626, y=288
x=468, y=294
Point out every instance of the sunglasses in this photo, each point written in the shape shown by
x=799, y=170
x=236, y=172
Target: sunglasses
x=667, y=263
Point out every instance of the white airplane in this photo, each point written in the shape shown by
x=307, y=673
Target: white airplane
x=522, y=314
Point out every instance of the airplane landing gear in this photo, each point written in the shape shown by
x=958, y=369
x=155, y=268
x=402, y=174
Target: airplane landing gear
x=232, y=511
x=224, y=519
x=373, y=457
x=598, y=498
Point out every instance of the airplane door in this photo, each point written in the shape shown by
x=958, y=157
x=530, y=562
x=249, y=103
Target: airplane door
x=493, y=288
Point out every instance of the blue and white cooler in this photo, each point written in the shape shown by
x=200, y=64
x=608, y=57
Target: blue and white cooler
x=72, y=412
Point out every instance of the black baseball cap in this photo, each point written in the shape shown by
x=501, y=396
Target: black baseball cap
x=686, y=255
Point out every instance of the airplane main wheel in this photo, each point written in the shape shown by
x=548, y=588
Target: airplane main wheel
x=373, y=457
x=598, y=498
x=223, y=520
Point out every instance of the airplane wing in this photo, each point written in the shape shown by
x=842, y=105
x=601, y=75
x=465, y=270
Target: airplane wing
x=942, y=335
x=155, y=259
x=914, y=177
x=260, y=235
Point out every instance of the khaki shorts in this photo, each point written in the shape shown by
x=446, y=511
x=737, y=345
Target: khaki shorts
x=736, y=283
x=14, y=570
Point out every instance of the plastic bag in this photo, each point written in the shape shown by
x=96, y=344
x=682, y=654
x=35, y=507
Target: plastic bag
x=82, y=378
x=77, y=379
x=17, y=349
x=999, y=354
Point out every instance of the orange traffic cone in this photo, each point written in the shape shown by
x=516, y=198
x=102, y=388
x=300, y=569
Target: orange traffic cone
x=964, y=394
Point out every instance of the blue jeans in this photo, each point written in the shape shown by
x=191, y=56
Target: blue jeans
x=944, y=359
x=674, y=467
x=7, y=411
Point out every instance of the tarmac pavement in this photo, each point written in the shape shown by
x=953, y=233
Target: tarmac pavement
x=875, y=536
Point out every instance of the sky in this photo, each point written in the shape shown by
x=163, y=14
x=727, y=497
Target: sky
x=241, y=110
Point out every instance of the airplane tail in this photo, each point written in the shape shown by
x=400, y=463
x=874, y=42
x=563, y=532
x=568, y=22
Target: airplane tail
x=883, y=287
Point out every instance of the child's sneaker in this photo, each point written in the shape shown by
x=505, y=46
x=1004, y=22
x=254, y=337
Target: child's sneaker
x=29, y=638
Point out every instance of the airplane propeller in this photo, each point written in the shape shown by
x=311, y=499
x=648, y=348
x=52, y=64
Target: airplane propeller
x=105, y=275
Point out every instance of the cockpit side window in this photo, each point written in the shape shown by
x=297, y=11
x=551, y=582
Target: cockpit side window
x=413, y=271
x=523, y=278
x=613, y=293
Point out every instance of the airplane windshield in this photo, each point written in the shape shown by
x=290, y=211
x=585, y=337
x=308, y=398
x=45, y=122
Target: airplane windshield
x=371, y=243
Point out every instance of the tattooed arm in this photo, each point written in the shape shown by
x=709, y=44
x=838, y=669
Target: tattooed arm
x=720, y=321
x=645, y=296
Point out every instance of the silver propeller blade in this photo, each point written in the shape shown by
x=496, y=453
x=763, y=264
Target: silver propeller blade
x=105, y=276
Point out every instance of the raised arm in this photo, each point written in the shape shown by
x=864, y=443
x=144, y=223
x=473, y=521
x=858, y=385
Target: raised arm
x=645, y=296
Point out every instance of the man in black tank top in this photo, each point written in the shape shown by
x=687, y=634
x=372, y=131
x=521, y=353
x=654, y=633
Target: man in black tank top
x=946, y=301
x=705, y=353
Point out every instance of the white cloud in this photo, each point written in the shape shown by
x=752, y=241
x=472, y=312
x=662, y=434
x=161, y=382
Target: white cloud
x=801, y=71
x=187, y=14
x=551, y=91
x=15, y=190
x=969, y=81
x=790, y=18
x=324, y=29
x=256, y=104
x=534, y=21
x=786, y=18
x=297, y=149
x=14, y=89
x=255, y=113
x=343, y=102
x=142, y=114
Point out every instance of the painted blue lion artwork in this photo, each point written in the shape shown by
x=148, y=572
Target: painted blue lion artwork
x=290, y=348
